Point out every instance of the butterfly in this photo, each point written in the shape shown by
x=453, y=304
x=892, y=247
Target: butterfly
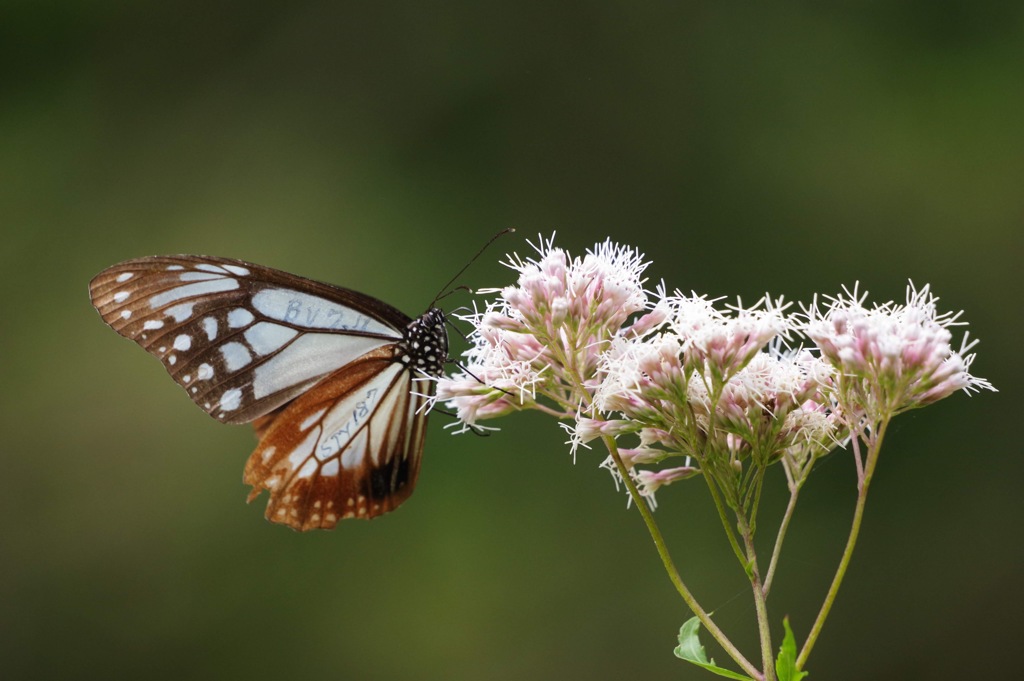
x=336, y=383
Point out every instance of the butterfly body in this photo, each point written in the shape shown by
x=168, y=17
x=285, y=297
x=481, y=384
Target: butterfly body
x=335, y=382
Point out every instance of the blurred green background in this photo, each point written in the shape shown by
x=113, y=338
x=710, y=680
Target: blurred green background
x=785, y=147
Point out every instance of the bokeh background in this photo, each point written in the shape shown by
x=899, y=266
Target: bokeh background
x=789, y=147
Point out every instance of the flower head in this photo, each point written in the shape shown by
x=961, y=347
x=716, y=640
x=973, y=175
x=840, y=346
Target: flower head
x=753, y=409
x=892, y=357
x=722, y=343
x=545, y=335
x=642, y=378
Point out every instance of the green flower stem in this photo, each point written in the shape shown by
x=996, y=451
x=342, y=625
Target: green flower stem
x=874, y=446
x=760, y=604
x=723, y=516
x=670, y=567
x=783, y=527
x=711, y=479
x=752, y=504
x=551, y=412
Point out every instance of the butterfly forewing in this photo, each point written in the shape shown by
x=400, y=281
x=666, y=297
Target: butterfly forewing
x=326, y=375
x=241, y=339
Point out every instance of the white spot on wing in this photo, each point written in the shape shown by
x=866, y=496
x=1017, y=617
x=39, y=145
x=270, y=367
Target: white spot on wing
x=312, y=419
x=181, y=312
x=175, y=267
x=236, y=269
x=182, y=342
x=172, y=360
x=305, y=448
x=307, y=470
x=153, y=324
x=239, y=317
x=124, y=276
x=121, y=296
x=308, y=357
x=201, y=288
x=210, y=327
x=235, y=355
x=267, y=453
x=355, y=452
x=314, y=312
x=266, y=337
x=205, y=372
x=379, y=427
x=199, y=276
x=330, y=468
x=231, y=399
x=125, y=314
x=395, y=435
x=211, y=268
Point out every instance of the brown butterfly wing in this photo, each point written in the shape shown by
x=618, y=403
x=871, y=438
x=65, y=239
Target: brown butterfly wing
x=241, y=339
x=350, y=447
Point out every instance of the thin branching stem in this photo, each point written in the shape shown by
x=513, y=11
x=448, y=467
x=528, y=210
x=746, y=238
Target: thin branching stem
x=670, y=567
x=760, y=604
x=543, y=408
x=659, y=540
x=874, y=446
x=724, y=517
x=794, y=490
x=756, y=501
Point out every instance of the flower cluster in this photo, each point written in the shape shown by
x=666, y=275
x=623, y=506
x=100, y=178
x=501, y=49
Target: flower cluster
x=583, y=340
x=540, y=343
x=717, y=387
x=892, y=357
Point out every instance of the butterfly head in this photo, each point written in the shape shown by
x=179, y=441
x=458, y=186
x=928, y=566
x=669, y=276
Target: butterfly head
x=424, y=345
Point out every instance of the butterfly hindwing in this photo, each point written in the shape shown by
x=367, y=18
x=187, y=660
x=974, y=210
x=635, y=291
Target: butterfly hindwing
x=241, y=339
x=348, y=448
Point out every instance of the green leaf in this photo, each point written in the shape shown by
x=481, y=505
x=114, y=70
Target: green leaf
x=691, y=650
x=785, y=664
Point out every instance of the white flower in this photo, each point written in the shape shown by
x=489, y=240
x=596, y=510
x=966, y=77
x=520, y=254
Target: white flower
x=650, y=481
x=639, y=373
x=896, y=357
x=724, y=344
x=546, y=335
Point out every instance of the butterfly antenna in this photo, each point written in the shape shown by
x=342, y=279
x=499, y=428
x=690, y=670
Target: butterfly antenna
x=472, y=260
x=457, y=288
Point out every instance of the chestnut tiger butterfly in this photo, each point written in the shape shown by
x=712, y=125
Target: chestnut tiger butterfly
x=335, y=382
